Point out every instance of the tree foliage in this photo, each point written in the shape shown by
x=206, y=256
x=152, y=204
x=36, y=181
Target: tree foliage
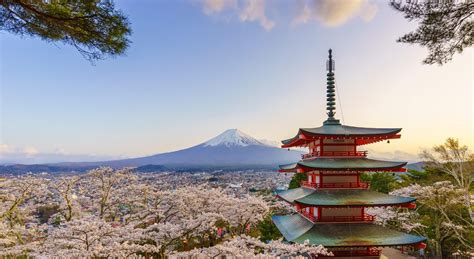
x=268, y=230
x=94, y=27
x=249, y=247
x=110, y=213
x=456, y=161
x=440, y=216
x=444, y=201
x=295, y=181
x=445, y=27
x=380, y=181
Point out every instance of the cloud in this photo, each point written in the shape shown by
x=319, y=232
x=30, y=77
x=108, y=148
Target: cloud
x=6, y=149
x=246, y=10
x=396, y=155
x=254, y=10
x=30, y=151
x=305, y=15
x=30, y=155
x=216, y=6
x=368, y=12
x=334, y=13
x=330, y=13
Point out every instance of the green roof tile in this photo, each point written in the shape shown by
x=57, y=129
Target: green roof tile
x=341, y=235
x=344, y=164
x=351, y=197
x=292, y=226
x=293, y=194
x=342, y=130
x=341, y=197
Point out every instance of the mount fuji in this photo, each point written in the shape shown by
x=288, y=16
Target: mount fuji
x=232, y=149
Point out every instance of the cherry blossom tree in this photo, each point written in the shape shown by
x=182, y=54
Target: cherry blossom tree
x=117, y=214
x=106, y=188
x=18, y=240
x=64, y=188
x=189, y=215
x=457, y=161
x=89, y=236
x=249, y=247
x=19, y=197
x=439, y=215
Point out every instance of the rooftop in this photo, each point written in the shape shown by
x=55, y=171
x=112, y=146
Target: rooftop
x=341, y=197
x=339, y=130
x=358, y=164
x=296, y=228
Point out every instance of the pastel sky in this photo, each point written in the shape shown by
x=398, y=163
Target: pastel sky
x=197, y=68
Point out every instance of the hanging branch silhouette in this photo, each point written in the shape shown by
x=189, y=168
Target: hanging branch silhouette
x=95, y=28
x=445, y=27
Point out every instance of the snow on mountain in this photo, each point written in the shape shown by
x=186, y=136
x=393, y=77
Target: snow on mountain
x=231, y=149
x=233, y=137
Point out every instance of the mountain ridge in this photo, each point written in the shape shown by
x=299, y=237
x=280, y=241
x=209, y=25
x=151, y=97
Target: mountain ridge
x=230, y=149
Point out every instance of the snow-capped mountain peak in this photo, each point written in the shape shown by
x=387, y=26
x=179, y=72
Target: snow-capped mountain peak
x=233, y=137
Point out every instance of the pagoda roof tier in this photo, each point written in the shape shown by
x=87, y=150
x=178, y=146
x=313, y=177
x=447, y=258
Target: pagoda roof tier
x=362, y=135
x=295, y=228
x=341, y=198
x=343, y=164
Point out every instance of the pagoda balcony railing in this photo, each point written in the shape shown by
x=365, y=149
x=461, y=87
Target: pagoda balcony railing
x=334, y=154
x=355, y=185
x=364, y=218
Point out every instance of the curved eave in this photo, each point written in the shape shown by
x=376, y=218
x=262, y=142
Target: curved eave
x=363, y=135
x=344, y=131
x=358, y=204
x=295, y=141
x=344, y=164
x=288, y=168
x=357, y=235
x=307, y=197
x=292, y=226
x=398, y=168
x=291, y=195
x=297, y=229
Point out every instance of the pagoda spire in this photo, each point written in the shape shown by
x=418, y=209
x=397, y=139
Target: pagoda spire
x=331, y=96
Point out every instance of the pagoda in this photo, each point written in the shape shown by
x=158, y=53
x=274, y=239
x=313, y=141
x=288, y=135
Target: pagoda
x=331, y=203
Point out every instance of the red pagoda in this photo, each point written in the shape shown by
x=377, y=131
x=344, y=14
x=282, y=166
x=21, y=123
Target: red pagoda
x=331, y=204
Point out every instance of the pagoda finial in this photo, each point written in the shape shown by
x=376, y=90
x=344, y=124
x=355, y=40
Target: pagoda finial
x=331, y=96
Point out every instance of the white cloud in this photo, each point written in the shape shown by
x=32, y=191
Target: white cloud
x=254, y=10
x=334, y=13
x=304, y=16
x=4, y=149
x=368, y=12
x=30, y=155
x=329, y=13
x=247, y=10
x=30, y=151
x=396, y=155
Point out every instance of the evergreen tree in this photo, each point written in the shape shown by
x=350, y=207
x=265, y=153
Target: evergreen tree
x=94, y=27
x=296, y=180
x=446, y=27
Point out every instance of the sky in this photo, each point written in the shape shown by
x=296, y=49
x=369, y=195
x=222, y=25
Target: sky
x=196, y=68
